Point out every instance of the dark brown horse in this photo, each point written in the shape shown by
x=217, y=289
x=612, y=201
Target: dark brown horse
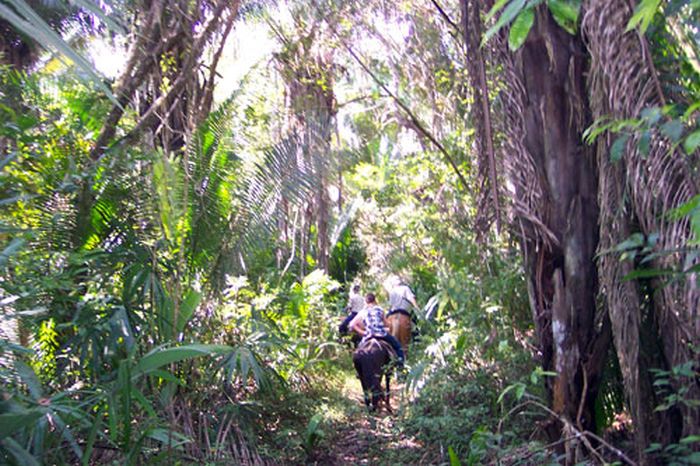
x=372, y=360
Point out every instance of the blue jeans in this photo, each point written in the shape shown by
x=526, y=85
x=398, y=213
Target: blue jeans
x=394, y=344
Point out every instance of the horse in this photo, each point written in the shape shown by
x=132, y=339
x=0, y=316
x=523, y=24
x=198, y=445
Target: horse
x=400, y=327
x=372, y=360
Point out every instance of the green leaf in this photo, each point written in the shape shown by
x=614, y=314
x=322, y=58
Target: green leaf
x=495, y=9
x=30, y=378
x=187, y=308
x=454, y=460
x=28, y=22
x=673, y=130
x=519, y=391
x=644, y=144
x=690, y=439
x=508, y=15
x=692, y=142
x=520, y=29
x=646, y=273
x=643, y=15
x=160, y=357
x=634, y=241
x=617, y=149
x=13, y=422
x=10, y=250
x=565, y=13
x=21, y=455
x=169, y=438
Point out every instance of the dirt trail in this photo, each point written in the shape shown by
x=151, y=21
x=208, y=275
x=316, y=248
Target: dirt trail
x=369, y=439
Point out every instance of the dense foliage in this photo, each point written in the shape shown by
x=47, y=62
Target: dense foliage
x=178, y=243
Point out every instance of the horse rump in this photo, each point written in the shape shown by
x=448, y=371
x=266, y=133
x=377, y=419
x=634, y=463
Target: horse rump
x=371, y=361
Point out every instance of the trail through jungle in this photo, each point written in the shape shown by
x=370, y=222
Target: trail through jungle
x=358, y=437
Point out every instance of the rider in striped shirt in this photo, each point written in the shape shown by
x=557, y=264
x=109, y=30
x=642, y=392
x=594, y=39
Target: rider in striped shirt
x=370, y=323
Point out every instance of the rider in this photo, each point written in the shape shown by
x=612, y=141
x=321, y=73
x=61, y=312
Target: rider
x=355, y=304
x=401, y=298
x=370, y=323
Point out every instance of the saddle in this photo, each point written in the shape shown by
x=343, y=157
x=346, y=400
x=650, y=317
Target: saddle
x=400, y=311
x=374, y=341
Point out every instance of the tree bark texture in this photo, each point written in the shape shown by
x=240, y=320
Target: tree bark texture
x=554, y=176
x=308, y=71
x=489, y=205
x=635, y=196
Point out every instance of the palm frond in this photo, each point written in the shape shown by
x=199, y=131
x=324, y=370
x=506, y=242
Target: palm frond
x=26, y=20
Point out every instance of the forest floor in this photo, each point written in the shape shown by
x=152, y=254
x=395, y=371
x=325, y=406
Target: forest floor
x=355, y=437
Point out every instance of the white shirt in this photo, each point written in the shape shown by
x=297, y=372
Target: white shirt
x=356, y=302
x=360, y=317
x=401, y=297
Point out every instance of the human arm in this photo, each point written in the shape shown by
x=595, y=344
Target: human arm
x=411, y=298
x=357, y=324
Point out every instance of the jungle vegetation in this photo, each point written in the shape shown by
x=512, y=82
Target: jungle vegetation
x=189, y=188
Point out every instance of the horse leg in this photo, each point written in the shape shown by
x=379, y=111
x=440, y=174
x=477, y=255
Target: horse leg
x=358, y=368
x=375, y=387
x=388, y=392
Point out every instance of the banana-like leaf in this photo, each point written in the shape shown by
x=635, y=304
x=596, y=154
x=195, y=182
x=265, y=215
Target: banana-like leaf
x=15, y=421
x=160, y=357
x=28, y=22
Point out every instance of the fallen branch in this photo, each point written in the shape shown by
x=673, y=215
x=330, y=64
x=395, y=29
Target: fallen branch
x=583, y=435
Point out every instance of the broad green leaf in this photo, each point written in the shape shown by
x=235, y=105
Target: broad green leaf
x=26, y=20
x=30, y=379
x=646, y=273
x=169, y=438
x=10, y=250
x=673, y=130
x=187, y=308
x=635, y=240
x=143, y=401
x=495, y=9
x=18, y=452
x=67, y=435
x=692, y=142
x=520, y=29
x=519, y=391
x=160, y=357
x=454, y=459
x=617, y=150
x=13, y=422
x=508, y=15
x=690, y=439
x=92, y=436
x=644, y=144
x=565, y=13
x=643, y=15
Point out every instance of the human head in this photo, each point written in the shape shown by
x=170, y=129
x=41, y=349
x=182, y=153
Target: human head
x=356, y=288
x=370, y=298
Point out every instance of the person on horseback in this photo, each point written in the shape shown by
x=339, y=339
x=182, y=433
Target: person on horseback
x=370, y=323
x=355, y=304
x=401, y=298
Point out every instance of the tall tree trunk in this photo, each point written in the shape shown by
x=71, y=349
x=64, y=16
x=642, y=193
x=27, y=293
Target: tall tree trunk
x=644, y=188
x=489, y=205
x=556, y=208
